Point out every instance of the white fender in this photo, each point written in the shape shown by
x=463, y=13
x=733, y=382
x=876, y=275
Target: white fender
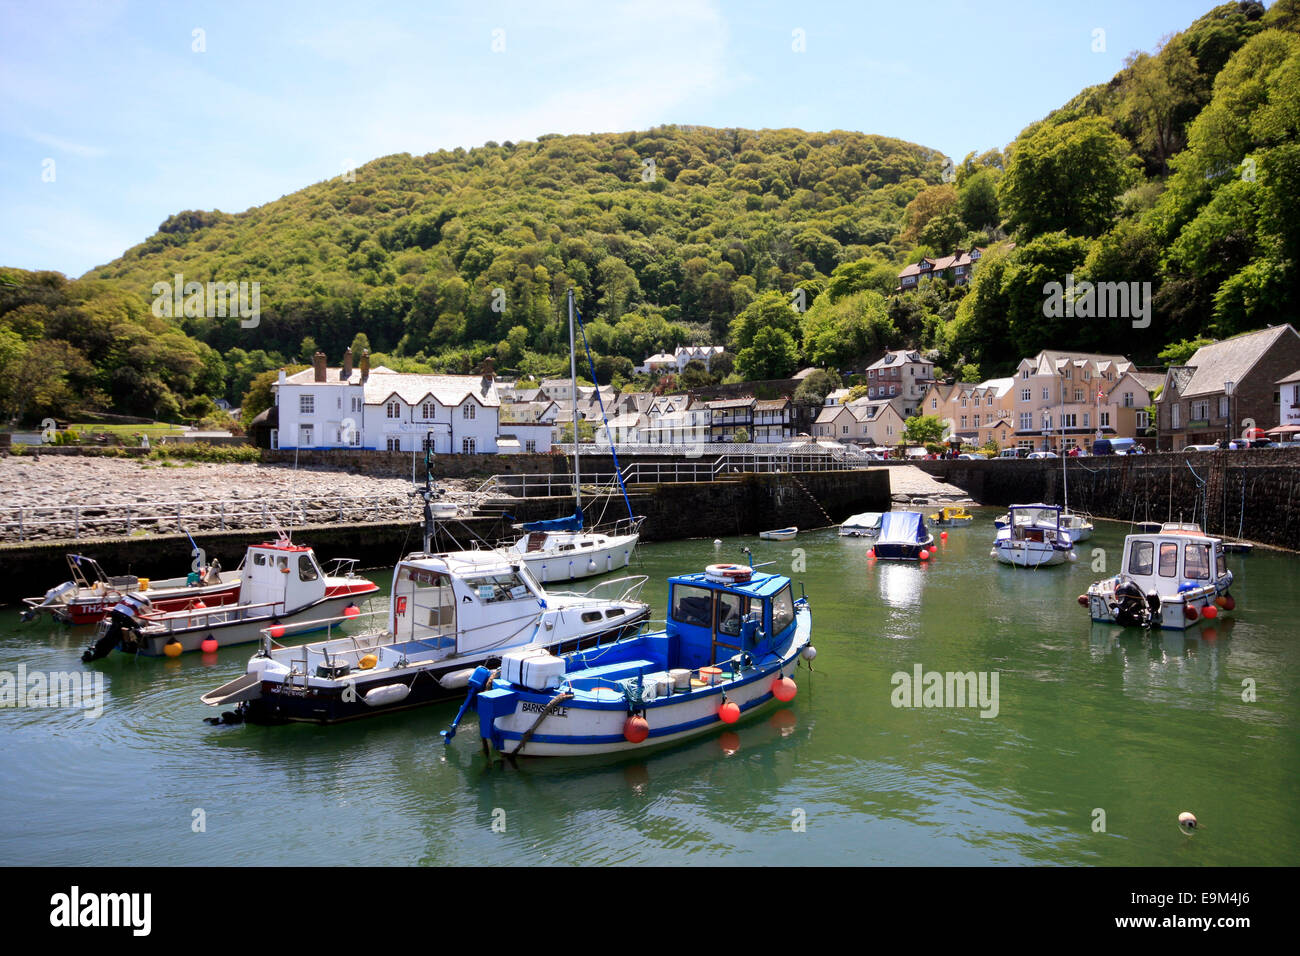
x=453, y=680
x=390, y=694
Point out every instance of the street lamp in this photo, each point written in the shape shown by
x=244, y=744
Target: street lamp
x=1228, y=389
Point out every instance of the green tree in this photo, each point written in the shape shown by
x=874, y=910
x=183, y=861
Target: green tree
x=1178, y=353
x=923, y=429
x=772, y=354
x=1065, y=177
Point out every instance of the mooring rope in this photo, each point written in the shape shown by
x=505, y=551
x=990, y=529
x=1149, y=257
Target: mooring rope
x=549, y=709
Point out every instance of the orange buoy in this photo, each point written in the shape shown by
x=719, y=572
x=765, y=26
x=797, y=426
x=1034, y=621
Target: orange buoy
x=635, y=729
x=277, y=632
x=729, y=712
x=209, y=645
x=925, y=555
x=199, y=605
x=351, y=611
x=784, y=689
x=173, y=648
x=1189, y=612
x=1209, y=612
x=943, y=535
x=871, y=553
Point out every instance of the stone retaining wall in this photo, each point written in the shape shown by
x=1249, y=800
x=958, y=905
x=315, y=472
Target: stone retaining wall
x=1255, y=490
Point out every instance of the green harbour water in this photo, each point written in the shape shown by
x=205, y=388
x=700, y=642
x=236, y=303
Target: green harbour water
x=1089, y=718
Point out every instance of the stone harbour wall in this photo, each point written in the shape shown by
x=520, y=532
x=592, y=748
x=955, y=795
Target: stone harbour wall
x=1253, y=494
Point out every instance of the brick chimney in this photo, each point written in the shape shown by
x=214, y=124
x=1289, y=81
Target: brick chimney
x=488, y=371
x=365, y=364
x=347, y=365
x=318, y=364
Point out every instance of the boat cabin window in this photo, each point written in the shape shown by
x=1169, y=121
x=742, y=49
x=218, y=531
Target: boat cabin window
x=1196, y=561
x=1221, y=565
x=425, y=601
x=1140, y=559
x=692, y=605
x=259, y=559
x=507, y=586
x=732, y=609
x=782, y=610
x=590, y=617
x=281, y=562
x=614, y=612
x=1168, y=559
x=307, y=570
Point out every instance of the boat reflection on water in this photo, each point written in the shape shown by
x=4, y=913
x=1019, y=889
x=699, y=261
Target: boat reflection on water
x=1180, y=667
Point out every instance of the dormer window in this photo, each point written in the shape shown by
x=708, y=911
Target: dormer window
x=467, y=411
x=394, y=409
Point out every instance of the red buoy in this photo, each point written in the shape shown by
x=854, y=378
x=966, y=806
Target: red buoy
x=199, y=605
x=277, y=632
x=1226, y=601
x=635, y=729
x=871, y=553
x=784, y=689
x=1083, y=600
x=1210, y=612
x=925, y=555
x=729, y=712
x=1189, y=612
x=943, y=535
x=351, y=611
x=209, y=645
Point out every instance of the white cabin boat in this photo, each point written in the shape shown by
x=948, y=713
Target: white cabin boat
x=570, y=553
x=281, y=582
x=1169, y=580
x=1033, y=538
x=448, y=614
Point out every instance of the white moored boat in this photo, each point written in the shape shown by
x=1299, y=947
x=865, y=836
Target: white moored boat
x=1033, y=538
x=779, y=534
x=281, y=582
x=448, y=614
x=864, y=525
x=734, y=637
x=1169, y=580
x=563, y=549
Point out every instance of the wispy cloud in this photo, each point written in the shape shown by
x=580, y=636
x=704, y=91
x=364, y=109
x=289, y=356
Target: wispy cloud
x=64, y=145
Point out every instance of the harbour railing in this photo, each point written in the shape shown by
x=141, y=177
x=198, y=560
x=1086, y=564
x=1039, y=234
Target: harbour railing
x=675, y=470
x=83, y=519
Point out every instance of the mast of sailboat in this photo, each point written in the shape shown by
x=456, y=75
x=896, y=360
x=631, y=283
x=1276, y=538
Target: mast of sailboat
x=573, y=378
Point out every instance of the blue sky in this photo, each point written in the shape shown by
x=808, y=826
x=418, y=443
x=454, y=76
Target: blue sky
x=111, y=118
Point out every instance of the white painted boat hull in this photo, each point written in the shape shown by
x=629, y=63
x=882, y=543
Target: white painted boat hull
x=552, y=566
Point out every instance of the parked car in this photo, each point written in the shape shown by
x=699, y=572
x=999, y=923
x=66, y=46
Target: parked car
x=1117, y=446
x=1200, y=448
x=970, y=457
x=1043, y=454
x=1014, y=453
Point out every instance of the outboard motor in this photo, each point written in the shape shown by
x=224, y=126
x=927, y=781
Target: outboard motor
x=1132, y=608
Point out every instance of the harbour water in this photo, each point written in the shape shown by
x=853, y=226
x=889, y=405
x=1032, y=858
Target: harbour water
x=1101, y=737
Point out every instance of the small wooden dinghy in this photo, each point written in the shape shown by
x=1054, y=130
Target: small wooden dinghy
x=780, y=534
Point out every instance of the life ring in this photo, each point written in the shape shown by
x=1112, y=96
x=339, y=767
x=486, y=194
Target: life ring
x=728, y=573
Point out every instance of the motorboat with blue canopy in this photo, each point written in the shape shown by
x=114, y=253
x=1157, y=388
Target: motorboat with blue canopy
x=903, y=536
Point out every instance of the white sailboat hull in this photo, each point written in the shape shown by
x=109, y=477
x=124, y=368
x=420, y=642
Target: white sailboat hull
x=575, y=562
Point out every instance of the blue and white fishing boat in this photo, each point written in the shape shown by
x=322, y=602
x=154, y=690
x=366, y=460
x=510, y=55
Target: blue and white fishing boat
x=903, y=536
x=733, y=637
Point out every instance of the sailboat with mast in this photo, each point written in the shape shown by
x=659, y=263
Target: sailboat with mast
x=565, y=549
